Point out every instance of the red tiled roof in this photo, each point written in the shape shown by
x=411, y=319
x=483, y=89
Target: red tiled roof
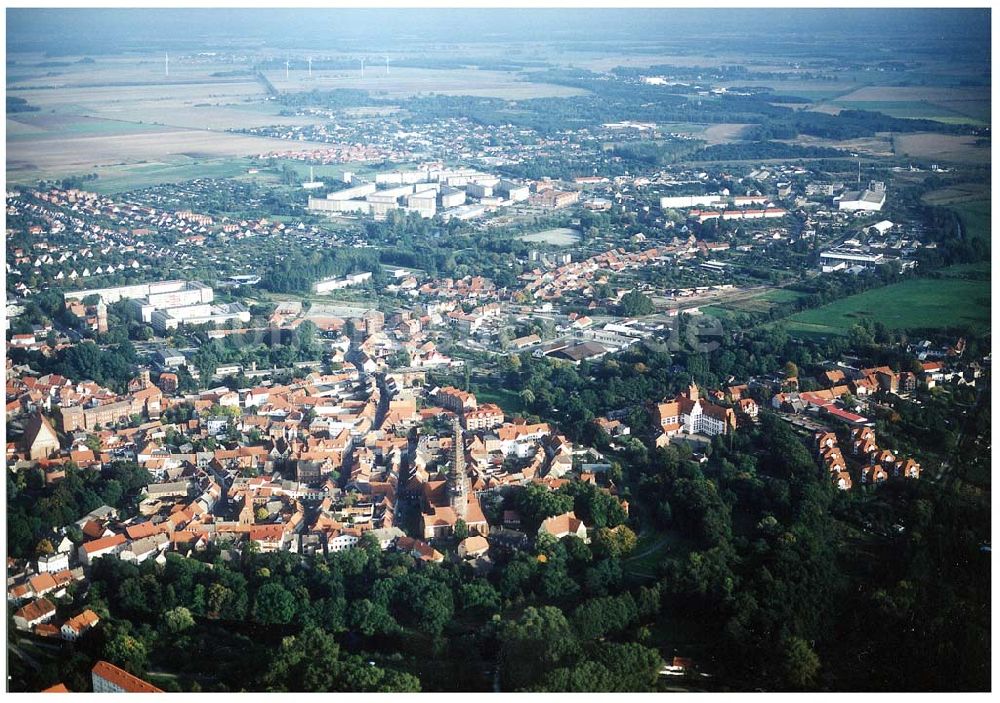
x=42, y=583
x=266, y=532
x=121, y=678
x=36, y=609
x=88, y=618
x=103, y=543
x=144, y=529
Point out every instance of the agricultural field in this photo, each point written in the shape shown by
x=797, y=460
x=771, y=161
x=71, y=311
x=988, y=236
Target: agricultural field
x=958, y=193
x=120, y=112
x=967, y=105
x=723, y=133
x=123, y=117
x=923, y=303
x=53, y=155
x=559, y=237
x=117, y=179
x=916, y=109
x=943, y=147
x=404, y=82
x=879, y=145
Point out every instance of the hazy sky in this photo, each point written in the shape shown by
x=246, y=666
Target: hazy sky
x=101, y=31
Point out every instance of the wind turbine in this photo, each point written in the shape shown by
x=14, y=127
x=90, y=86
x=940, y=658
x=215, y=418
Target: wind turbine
x=310, y=67
x=286, y=69
x=362, y=69
x=166, y=63
x=387, y=65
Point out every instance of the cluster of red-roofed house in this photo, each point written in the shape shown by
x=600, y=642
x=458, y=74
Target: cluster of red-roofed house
x=582, y=277
x=874, y=465
x=880, y=464
x=32, y=596
x=80, y=227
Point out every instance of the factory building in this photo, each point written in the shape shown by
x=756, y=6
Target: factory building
x=328, y=284
x=871, y=199
x=840, y=259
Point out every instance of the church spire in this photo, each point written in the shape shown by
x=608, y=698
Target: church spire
x=458, y=480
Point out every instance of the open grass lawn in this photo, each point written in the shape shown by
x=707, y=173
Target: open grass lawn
x=509, y=401
x=718, y=311
x=650, y=549
x=923, y=303
x=759, y=303
x=975, y=216
x=764, y=302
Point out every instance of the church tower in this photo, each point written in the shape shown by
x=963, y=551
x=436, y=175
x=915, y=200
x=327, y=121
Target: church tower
x=458, y=479
x=102, y=317
x=246, y=514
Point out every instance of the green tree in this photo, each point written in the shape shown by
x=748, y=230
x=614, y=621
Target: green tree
x=177, y=620
x=273, y=604
x=537, y=502
x=799, y=664
x=128, y=652
x=370, y=618
x=635, y=304
x=540, y=640
x=479, y=596
x=616, y=543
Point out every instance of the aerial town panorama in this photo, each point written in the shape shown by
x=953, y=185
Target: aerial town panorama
x=483, y=350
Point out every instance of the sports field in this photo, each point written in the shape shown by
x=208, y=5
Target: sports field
x=922, y=303
x=559, y=237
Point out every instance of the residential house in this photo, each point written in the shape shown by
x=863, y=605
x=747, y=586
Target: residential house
x=53, y=562
x=485, y=417
x=34, y=613
x=78, y=624
x=872, y=475
x=101, y=547
x=560, y=526
x=456, y=400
